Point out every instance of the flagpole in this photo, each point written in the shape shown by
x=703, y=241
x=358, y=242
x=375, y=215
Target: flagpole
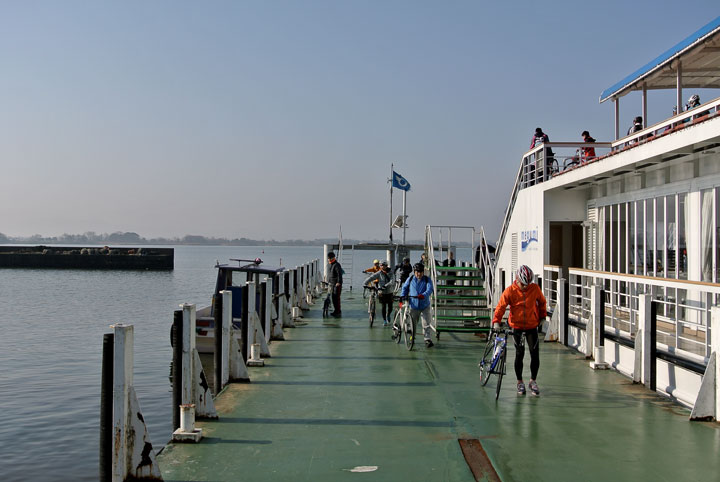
x=392, y=171
x=404, y=216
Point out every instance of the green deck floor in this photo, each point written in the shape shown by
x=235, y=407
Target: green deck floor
x=338, y=395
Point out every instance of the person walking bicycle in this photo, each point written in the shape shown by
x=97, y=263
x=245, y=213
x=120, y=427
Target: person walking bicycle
x=419, y=287
x=527, y=309
x=385, y=285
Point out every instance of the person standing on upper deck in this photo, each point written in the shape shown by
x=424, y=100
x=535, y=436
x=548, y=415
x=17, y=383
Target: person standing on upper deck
x=541, y=138
x=637, y=125
x=538, y=138
x=335, y=274
x=587, y=153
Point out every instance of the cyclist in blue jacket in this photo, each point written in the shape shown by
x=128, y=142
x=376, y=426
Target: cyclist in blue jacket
x=420, y=287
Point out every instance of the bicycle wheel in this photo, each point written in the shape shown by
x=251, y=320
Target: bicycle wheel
x=487, y=360
x=409, y=332
x=500, y=371
x=397, y=322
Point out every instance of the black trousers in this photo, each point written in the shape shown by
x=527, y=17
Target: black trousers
x=336, y=298
x=386, y=302
x=533, y=343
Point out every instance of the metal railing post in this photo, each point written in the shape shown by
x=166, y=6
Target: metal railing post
x=218, y=329
x=106, y=408
x=565, y=311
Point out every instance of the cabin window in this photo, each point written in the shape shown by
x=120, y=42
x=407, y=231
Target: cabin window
x=606, y=266
x=682, y=215
x=660, y=251
x=632, y=245
x=671, y=236
x=649, y=259
x=706, y=234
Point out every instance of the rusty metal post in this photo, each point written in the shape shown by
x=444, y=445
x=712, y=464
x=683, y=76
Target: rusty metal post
x=218, y=361
x=176, y=341
x=106, y=412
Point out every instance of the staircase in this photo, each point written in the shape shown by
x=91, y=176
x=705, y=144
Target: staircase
x=347, y=255
x=461, y=304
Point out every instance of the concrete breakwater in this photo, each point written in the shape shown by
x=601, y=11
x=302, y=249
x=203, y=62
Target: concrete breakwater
x=92, y=257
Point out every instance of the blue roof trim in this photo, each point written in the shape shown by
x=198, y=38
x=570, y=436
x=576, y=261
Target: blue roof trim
x=665, y=56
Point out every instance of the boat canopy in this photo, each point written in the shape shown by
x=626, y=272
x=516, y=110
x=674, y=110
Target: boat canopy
x=697, y=58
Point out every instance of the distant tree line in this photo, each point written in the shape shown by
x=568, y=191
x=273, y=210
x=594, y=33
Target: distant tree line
x=119, y=237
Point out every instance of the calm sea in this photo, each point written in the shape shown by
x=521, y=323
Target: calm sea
x=51, y=328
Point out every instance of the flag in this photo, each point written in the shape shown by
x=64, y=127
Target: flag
x=400, y=182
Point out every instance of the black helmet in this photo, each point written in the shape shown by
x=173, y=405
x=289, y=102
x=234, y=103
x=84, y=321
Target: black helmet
x=331, y=255
x=419, y=267
x=384, y=264
x=406, y=260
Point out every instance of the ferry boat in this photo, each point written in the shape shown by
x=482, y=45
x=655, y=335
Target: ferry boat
x=639, y=216
x=232, y=278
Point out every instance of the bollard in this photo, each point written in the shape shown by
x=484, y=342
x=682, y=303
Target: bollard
x=133, y=455
x=598, y=329
x=187, y=431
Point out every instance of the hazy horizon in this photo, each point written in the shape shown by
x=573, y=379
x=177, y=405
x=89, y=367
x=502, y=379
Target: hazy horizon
x=280, y=120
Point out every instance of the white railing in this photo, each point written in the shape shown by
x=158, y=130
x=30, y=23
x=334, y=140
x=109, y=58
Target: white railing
x=551, y=274
x=542, y=162
x=685, y=119
x=683, y=315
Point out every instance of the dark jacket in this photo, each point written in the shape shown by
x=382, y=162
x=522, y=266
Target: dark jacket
x=405, y=271
x=335, y=272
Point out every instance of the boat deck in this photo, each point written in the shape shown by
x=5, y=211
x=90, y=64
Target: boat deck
x=337, y=398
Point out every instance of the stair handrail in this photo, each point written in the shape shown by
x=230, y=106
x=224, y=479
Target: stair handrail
x=513, y=198
x=488, y=266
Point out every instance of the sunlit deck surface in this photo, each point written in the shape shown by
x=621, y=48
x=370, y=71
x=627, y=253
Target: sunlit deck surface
x=337, y=395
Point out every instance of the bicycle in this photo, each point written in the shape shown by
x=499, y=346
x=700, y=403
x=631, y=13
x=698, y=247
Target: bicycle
x=326, y=303
x=402, y=323
x=371, y=302
x=494, y=357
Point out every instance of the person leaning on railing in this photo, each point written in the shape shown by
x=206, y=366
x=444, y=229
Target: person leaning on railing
x=587, y=153
x=541, y=138
x=527, y=308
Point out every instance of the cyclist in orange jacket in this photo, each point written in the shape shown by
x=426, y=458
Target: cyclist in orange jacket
x=527, y=309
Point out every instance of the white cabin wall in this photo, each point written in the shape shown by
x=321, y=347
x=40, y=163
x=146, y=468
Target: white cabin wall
x=527, y=217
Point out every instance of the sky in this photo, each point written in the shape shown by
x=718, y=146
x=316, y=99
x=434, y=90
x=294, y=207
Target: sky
x=281, y=119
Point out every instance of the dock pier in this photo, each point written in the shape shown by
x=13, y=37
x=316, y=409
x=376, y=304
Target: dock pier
x=337, y=399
